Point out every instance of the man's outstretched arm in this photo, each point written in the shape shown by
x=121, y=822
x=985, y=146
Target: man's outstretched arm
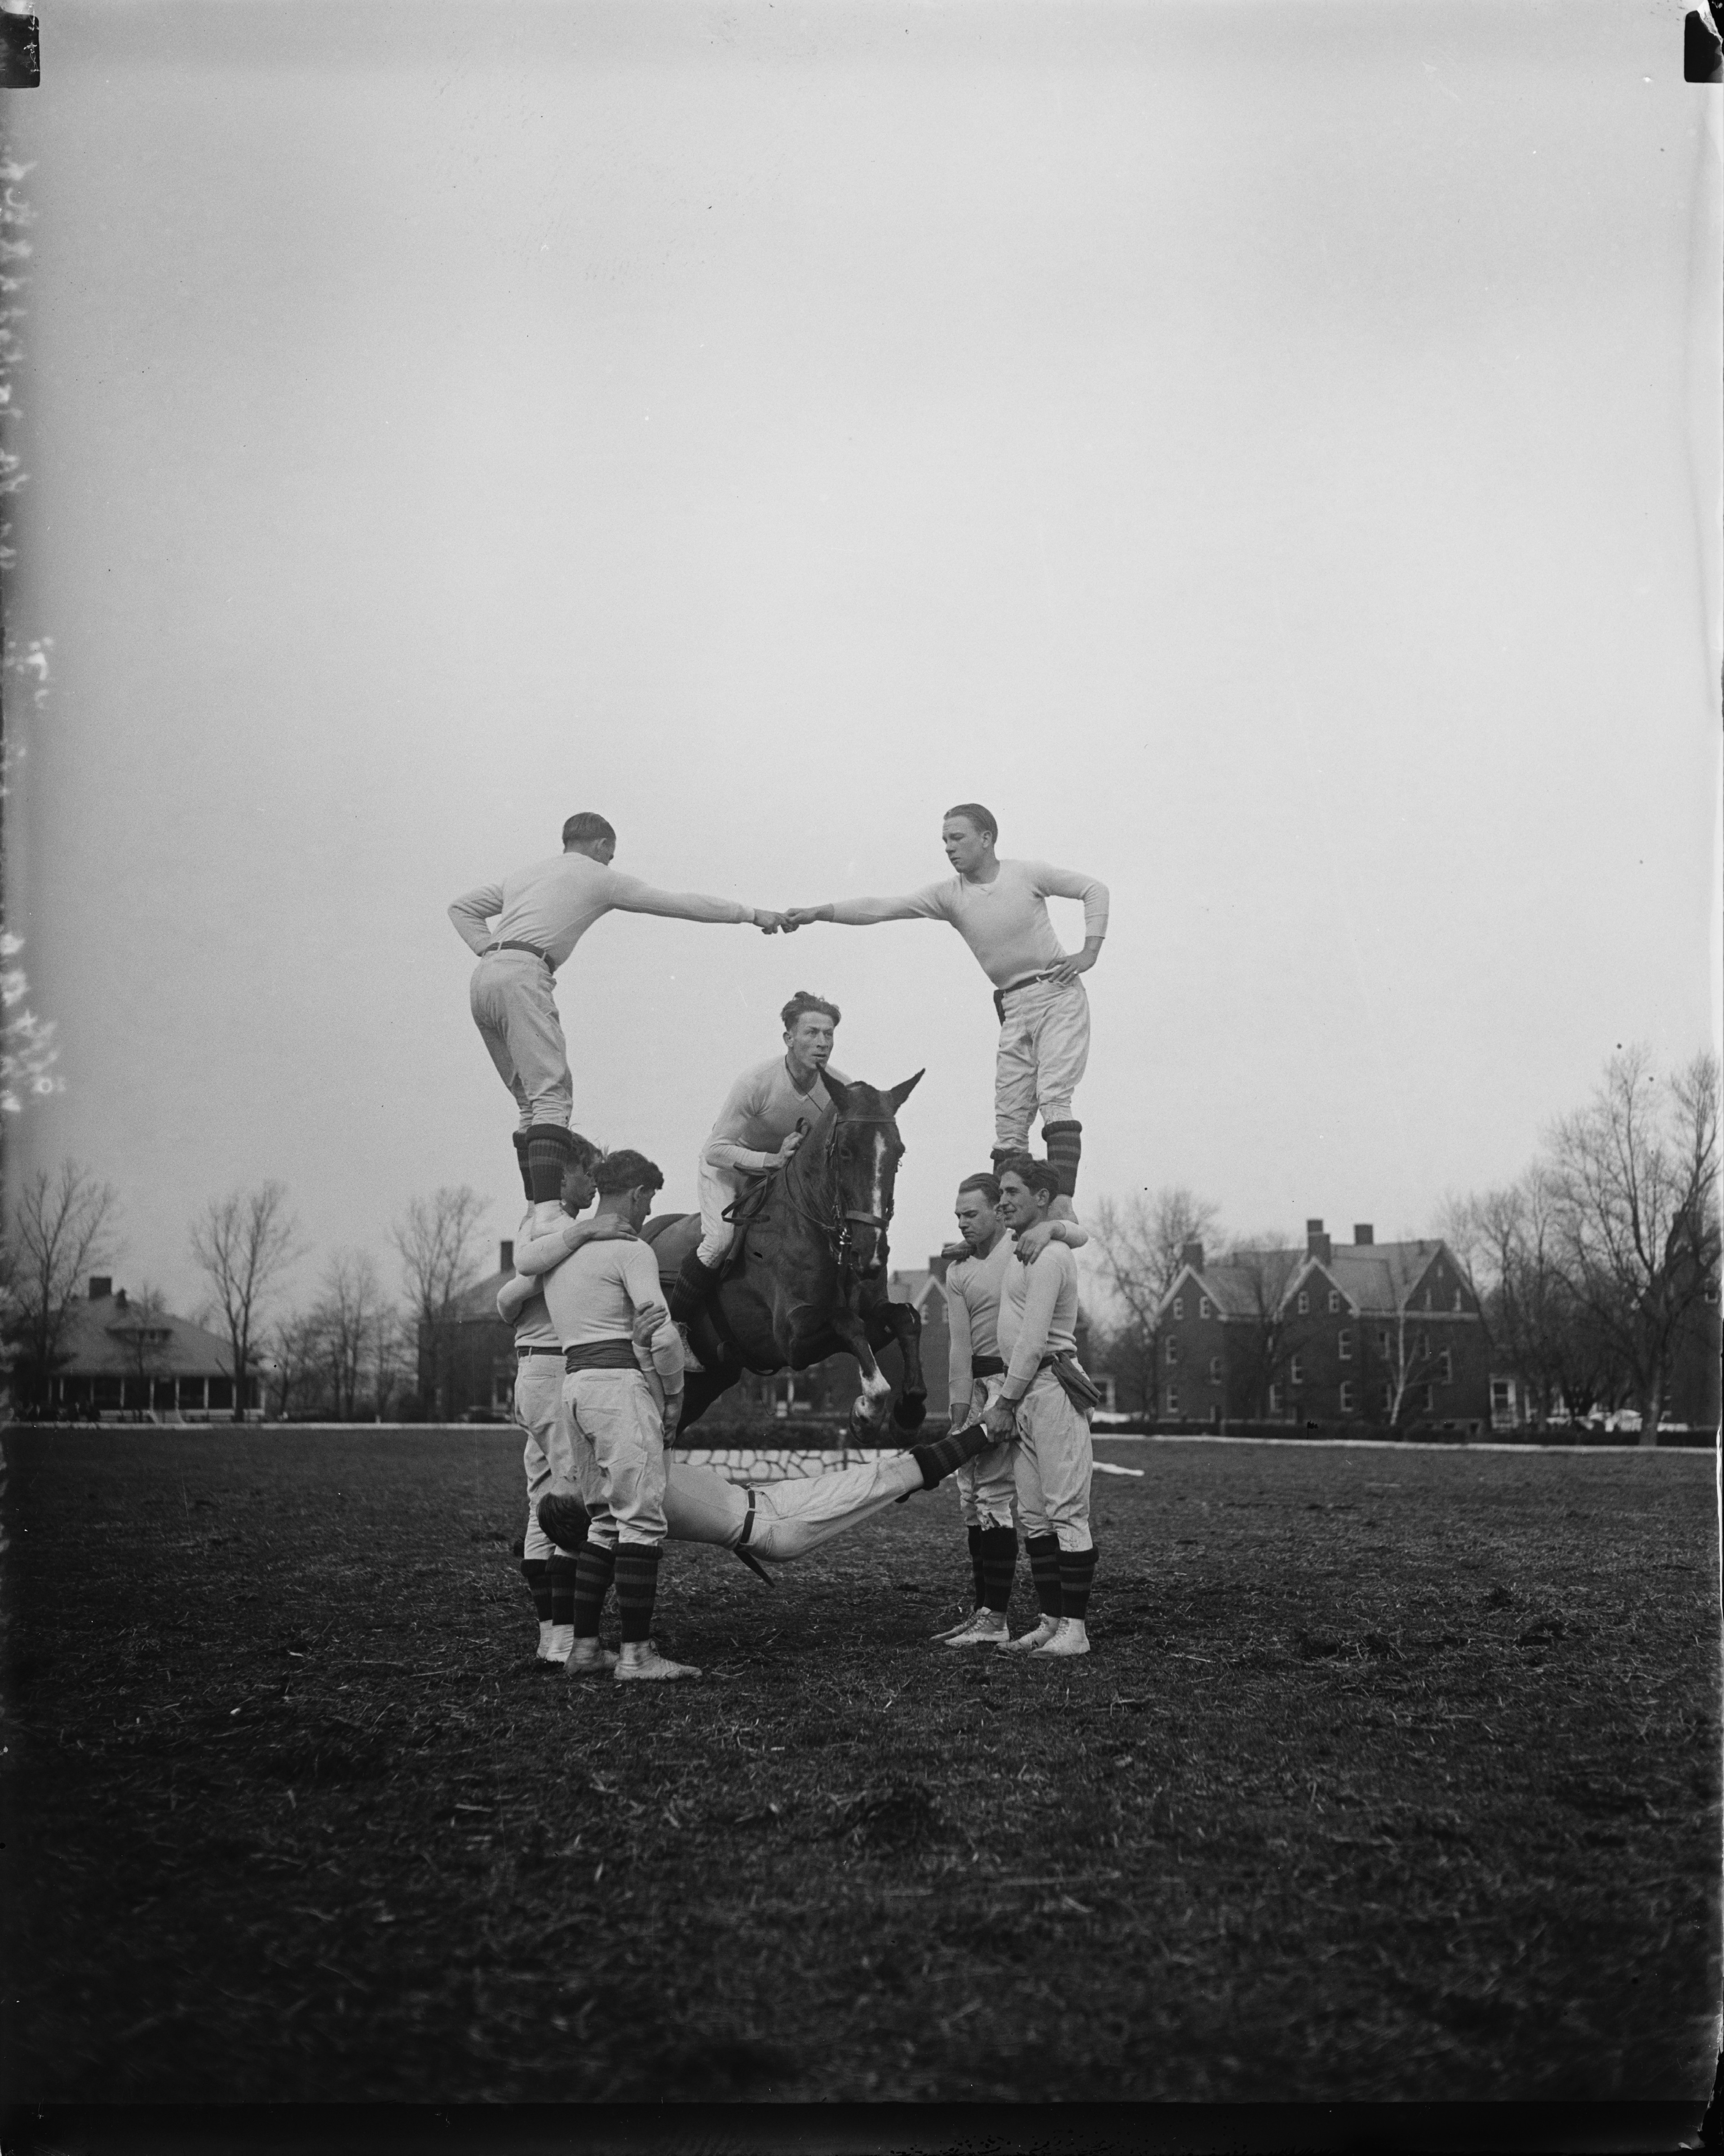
x=629, y=895
x=928, y=904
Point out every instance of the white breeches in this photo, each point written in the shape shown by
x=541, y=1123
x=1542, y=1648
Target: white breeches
x=1043, y=1046
x=539, y=1410
x=512, y=1005
x=987, y=1485
x=617, y=1422
x=790, y=1517
x=1054, y=1464
x=718, y=1187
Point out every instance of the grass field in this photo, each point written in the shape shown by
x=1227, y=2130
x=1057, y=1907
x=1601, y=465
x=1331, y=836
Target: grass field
x=1394, y=1775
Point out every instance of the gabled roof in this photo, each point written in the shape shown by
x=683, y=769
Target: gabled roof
x=480, y=1300
x=104, y=1338
x=1377, y=1279
x=911, y=1286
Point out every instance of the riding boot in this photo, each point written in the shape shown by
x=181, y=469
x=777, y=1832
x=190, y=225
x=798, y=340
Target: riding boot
x=691, y=1289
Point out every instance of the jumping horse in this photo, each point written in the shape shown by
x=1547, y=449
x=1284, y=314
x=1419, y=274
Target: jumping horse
x=806, y=1277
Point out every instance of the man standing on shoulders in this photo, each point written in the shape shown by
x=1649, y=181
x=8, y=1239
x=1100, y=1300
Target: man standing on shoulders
x=624, y=1393
x=1045, y=1398
x=766, y=1116
x=523, y=929
x=547, y=1457
x=999, y=907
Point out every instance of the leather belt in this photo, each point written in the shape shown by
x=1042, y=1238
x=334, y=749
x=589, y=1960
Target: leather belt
x=987, y=1366
x=1026, y=981
x=601, y=1355
x=521, y=1354
x=748, y=1524
x=532, y=951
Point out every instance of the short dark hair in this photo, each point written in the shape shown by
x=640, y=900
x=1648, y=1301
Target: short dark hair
x=580, y=829
x=988, y=1185
x=627, y=1171
x=974, y=812
x=584, y=1153
x=1039, y=1175
x=801, y=1001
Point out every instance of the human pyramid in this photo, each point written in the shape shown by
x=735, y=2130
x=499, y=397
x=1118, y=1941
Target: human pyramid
x=602, y=1352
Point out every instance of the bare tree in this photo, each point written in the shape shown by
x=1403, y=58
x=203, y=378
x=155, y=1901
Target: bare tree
x=438, y=1239
x=1537, y=1324
x=352, y=1303
x=243, y=1243
x=294, y=1361
x=1634, y=1182
x=1269, y=1341
x=1138, y=1248
x=63, y=1229
x=388, y=1359
x=144, y=1335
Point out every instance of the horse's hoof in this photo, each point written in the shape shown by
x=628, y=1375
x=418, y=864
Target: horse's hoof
x=911, y=1412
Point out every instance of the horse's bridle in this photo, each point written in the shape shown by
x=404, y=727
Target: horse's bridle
x=837, y=1229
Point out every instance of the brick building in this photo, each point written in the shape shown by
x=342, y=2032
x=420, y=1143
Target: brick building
x=466, y=1358
x=1364, y=1332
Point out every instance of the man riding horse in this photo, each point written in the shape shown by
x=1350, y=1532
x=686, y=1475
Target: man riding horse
x=765, y=1117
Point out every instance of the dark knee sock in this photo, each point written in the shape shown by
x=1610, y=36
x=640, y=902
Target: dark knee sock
x=549, y=1150
x=689, y=1290
x=536, y=1571
x=974, y=1536
x=527, y=1180
x=593, y=1578
x=562, y=1567
x=1042, y=1551
x=939, y=1459
x=1077, y=1568
x=998, y=1562
x=1003, y=1152
x=636, y=1585
x=1064, y=1144
x=565, y=1520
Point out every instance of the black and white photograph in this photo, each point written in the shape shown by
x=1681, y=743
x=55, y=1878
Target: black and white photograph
x=860, y=1003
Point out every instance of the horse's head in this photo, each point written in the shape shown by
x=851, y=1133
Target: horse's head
x=862, y=1151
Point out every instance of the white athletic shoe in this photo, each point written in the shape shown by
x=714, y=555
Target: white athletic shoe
x=1070, y=1638
x=984, y=1630
x=543, y=1653
x=962, y=1624
x=1027, y=1642
x=587, y=1659
x=693, y=1366
x=653, y=1667
x=561, y=1645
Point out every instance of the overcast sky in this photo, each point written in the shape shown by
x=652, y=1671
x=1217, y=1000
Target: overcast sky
x=1268, y=453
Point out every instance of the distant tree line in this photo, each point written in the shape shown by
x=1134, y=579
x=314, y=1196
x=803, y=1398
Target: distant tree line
x=348, y=1351
x=1592, y=1268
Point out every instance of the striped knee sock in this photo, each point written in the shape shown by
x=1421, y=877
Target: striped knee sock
x=999, y=1561
x=562, y=1569
x=637, y=1585
x=593, y=1568
x=1077, y=1568
x=938, y=1459
x=1064, y=1145
x=527, y=1180
x=1042, y=1551
x=536, y=1573
x=974, y=1536
x=549, y=1150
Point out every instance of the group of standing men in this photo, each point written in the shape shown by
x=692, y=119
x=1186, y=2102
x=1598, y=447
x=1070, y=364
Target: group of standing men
x=601, y=1354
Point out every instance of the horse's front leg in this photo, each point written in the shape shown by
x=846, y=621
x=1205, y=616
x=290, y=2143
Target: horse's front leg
x=899, y=1322
x=869, y=1412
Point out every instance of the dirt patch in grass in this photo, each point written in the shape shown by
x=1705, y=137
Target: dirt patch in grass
x=1390, y=1778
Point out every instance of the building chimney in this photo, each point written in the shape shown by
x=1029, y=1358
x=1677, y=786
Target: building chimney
x=937, y=1265
x=119, y=1298
x=505, y=1259
x=101, y=1286
x=1192, y=1255
x=1361, y=1232
x=1317, y=1243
